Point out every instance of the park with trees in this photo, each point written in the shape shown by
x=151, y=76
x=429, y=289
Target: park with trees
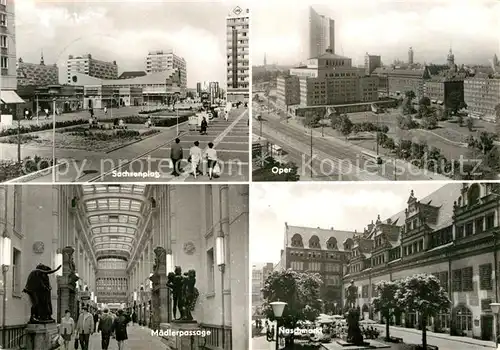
x=302, y=293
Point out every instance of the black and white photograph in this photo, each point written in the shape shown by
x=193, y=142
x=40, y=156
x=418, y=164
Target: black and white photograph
x=124, y=267
x=124, y=91
x=375, y=90
x=375, y=266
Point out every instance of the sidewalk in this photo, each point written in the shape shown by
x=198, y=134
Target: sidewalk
x=464, y=340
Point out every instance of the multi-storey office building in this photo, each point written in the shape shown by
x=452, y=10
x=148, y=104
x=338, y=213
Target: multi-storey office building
x=482, y=95
x=237, y=52
x=396, y=82
x=288, y=90
x=439, y=89
x=115, y=237
x=372, y=62
x=321, y=34
x=322, y=251
x=453, y=234
x=162, y=60
x=90, y=66
x=8, y=73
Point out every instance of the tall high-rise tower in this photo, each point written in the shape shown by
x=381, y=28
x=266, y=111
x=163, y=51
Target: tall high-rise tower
x=321, y=34
x=237, y=68
x=8, y=59
x=410, y=55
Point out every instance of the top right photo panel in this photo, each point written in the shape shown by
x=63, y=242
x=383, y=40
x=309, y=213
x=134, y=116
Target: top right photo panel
x=376, y=91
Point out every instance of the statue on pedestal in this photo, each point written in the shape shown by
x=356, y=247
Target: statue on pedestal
x=189, y=294
x=38, y=289
x=354, y=334
x=175, y=282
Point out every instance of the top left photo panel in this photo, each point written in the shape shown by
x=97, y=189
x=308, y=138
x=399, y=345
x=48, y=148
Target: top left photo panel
x=124, y=91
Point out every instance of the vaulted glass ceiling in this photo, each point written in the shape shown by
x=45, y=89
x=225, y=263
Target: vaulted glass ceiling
x=114, y=214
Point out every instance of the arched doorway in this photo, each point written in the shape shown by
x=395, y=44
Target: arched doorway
x=462, y=319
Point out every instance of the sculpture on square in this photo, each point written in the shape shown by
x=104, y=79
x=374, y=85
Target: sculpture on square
x=175, y=282
x=354, y=334
x=38, y=289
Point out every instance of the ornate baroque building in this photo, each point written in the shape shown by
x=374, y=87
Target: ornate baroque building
x=453, y=234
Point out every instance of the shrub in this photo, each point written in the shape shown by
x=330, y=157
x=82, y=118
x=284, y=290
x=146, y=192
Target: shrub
x=42, y=127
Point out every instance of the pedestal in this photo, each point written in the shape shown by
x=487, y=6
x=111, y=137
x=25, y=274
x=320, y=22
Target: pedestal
x=175, y=341
x=39, y=336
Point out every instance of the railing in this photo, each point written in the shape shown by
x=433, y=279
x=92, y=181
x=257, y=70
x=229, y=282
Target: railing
x=214, y=340
x=15, y=336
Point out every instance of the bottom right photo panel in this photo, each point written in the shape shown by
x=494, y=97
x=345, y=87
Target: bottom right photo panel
x=375, y=266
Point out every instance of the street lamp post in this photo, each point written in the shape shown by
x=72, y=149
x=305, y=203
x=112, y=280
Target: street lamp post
x=278, y=308
x=6, y=261
x=221, y=264
x=495, y=308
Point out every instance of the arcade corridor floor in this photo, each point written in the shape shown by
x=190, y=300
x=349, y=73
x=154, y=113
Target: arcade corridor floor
x=138, y=338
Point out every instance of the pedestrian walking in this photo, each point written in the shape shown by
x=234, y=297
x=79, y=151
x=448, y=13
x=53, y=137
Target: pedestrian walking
x=67, y=329
x=195, y=155
x=211, y=156
x=105, y=327
x=226, y=116
x=96, y=320
x=204, y=126
x=120, y=329
x=105, y=110
x=176, y=156
x=134, y=318
x=85, y=327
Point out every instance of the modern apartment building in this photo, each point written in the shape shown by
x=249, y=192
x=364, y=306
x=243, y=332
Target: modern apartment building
x=162, y=60
x=482, y=95
x=37, y=74
x=90, y=66
x=452, y=234
x=321, y=34
x=238, y=64
x=324, y=251
x=8, y=81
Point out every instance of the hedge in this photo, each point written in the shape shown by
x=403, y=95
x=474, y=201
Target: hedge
x=163, y=122
x=42, y=127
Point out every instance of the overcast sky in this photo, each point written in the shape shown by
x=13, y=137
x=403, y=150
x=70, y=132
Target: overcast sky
x=347, y=207
x=125, y=31
x=386, y=28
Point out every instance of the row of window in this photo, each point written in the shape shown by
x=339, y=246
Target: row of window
x=476, y=226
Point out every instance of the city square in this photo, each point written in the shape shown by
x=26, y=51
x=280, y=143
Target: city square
x=170, y=258
x=342, y=105
x=332, y=283
x=85, y=104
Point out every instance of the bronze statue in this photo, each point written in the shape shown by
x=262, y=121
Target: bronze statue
x=352, y=295
x=354, y=334
x=38, y=289
x=175, y=283
x=189, y=294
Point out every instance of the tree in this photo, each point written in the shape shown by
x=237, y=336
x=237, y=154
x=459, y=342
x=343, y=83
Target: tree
x=311, y=119
x=422, y=293
x=429, y=122
x=487, y=141
x=301, y=292
x=410, y=95
x=385, y=302
x=424, y=101
x=470, y=124
x=345, y=126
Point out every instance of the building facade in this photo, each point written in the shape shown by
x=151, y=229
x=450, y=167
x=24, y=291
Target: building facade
x=330, y=80
x=452, y=234
x=162, y=60
x=322, y=251
x=321, y=34
x=123, y=240
x=238, y=54
x=372, y=62
x=439, y=89
x=8, y=45
x=37, y=74
x=90, y=66
x=482, y=95
x=69, y=98
x=287, y=91
x=395, y=82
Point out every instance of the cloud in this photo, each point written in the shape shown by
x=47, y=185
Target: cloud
x=341, y=206
x=125, y=32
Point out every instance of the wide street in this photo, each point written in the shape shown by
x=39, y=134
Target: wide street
x=333, y=159
x=148, y=159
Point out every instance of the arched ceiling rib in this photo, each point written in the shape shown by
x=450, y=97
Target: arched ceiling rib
x=114, y=216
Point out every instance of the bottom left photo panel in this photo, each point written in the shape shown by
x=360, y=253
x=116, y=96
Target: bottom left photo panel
x=124, y=267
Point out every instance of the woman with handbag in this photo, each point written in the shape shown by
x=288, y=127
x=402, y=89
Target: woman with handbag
x=211, y=156
x=67, y=329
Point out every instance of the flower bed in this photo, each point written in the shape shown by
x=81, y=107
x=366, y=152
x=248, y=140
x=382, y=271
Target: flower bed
x=12, y=169
x=46, y=126
x=161, y=122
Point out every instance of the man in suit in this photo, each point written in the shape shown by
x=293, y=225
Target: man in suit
x=176, y=156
